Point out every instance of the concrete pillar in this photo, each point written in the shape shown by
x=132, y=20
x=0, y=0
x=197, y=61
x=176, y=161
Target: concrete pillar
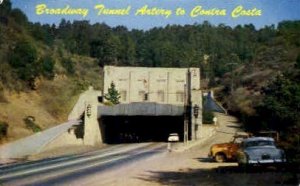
x=92, y=133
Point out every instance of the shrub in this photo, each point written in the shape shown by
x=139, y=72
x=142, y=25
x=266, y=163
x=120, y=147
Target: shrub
x=2, y=96
x=47, y=67
x=68, y=65
x=30, y=124
x=3, y=129
x=207, y=117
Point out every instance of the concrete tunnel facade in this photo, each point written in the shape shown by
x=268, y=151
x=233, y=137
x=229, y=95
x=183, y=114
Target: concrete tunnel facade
x=152, y=100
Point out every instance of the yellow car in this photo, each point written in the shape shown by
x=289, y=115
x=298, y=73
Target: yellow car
x=227, y=151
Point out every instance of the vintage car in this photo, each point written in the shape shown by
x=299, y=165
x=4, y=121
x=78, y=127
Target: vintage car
x=227, y=151
x=259, y=151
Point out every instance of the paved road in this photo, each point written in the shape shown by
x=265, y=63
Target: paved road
x=59, y=171
x=133, y=164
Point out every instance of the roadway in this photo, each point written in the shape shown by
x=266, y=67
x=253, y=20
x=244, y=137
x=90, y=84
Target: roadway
x=126, y=164
x=62, y=170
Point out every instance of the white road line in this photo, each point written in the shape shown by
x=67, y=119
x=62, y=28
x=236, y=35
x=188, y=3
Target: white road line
x=20, y=166
x=57, y=174
x=54, y=175
x=49, y=167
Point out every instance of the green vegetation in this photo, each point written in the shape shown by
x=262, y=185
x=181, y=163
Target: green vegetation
x=30, y=124
x=207, y=117
x=280, y=107
x=3, y=129
x=47, y=66
x=113, y=96
x=59, y=98
x=68, y=65
x=231, y=52
x=23, y=60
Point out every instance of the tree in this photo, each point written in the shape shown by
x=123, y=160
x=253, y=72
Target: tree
x=24, y=61
x=68, y=65
x=19, y=16
x=280, y=106
x=5, y=8
x=47, y=66
x=113, y=95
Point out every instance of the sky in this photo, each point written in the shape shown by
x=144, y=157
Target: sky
x=272, y=12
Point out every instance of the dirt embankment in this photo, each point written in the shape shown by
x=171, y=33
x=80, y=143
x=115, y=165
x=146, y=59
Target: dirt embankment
x=18, y=107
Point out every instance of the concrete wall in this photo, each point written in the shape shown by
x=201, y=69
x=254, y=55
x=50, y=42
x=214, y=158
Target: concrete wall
x=65, y=139
x=88, y=101
x=90, y=95
x=162, y=85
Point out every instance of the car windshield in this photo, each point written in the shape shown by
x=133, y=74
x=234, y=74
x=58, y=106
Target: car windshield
x=259, y=143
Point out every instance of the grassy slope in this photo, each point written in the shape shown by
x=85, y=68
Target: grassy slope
x=53, y=99
x=50, y=104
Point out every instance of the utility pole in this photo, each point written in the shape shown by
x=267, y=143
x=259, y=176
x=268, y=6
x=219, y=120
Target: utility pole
x=187, y=107
x=185, y=125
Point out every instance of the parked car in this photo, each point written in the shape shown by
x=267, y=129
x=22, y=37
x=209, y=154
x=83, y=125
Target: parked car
x=259, y=151
x=272, y=134
x=173, y=137
x=227, y=151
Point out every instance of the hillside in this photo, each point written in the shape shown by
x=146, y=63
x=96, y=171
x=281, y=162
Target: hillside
x=37, y=80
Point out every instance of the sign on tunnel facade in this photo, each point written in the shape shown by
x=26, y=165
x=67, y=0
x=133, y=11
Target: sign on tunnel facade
x=158, y=85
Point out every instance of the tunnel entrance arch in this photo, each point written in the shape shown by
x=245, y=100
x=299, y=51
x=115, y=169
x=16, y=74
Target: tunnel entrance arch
x=135, y=129
x=140, y=122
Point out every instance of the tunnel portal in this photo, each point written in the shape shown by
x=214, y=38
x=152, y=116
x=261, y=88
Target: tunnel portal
x=135, y=129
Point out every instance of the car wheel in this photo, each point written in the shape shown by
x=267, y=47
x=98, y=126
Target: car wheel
x=220, y=158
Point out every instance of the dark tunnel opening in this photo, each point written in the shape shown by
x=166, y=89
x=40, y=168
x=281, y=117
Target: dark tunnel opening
x=135, y=129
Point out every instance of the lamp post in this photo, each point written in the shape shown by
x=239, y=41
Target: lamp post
x=196, y=114
x=89, y=110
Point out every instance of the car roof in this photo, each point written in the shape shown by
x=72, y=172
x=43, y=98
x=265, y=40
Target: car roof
x=258, y=139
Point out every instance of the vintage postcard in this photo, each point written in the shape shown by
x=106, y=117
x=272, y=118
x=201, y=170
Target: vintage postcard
x=150, y=92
